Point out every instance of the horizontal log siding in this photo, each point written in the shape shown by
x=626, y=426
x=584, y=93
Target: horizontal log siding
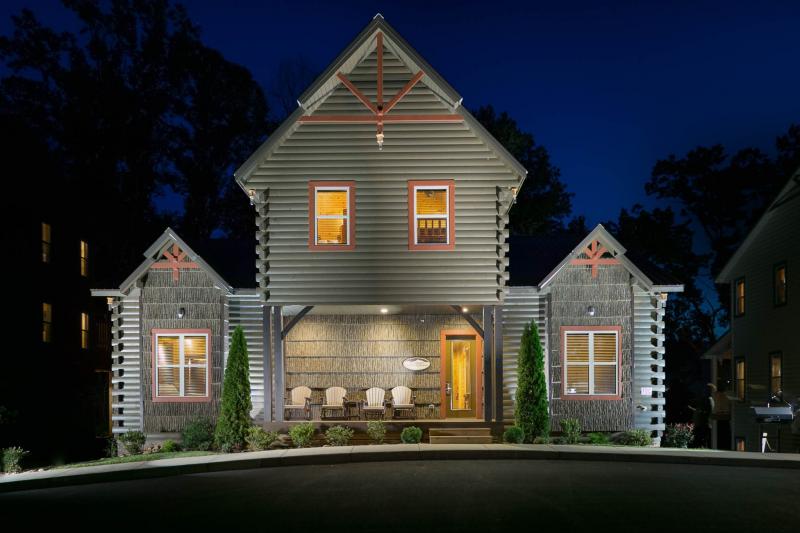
x=381, y=269
x=204, y=305
x=648, y=360
x=521, y=305
x=244, y=309
x=362, y=351
x=126, y=380
x=572, y=291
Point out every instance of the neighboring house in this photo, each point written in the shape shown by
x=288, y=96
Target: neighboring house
x=382, y=260
x=764, y=318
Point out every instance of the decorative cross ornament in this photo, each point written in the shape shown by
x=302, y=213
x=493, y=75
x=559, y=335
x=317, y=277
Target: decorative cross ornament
x=594, y=256
x=175, y=261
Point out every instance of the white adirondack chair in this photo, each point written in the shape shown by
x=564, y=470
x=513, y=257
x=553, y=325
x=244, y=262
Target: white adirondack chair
x=375, y=404
x=299, y=400
x=334, y=402
x=402, y=402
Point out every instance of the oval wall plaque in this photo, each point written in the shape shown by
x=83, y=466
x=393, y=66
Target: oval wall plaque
x=415, y=364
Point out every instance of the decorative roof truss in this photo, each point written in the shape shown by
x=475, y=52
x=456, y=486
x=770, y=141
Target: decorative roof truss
x=174, y=260
x=595, y=255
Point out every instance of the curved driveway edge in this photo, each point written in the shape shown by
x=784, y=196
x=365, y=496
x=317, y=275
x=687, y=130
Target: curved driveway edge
x=386, y=452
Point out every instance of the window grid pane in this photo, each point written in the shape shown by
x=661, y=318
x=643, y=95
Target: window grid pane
x=45, y=242
x=431, y=212
x=780, y=285
x=47, y=322
x=332, y=218
x=181, y=365
x=591, y=363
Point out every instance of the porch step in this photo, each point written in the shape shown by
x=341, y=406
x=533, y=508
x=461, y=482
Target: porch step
x=460, y=436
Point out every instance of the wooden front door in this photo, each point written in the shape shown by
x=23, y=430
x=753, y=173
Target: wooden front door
x=461, y=374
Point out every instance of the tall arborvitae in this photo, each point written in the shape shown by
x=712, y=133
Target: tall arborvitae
x=234, y=417
x=532, y=413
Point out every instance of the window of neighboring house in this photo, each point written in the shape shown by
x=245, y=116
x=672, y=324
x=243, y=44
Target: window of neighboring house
x=740, y=445
x=739, y=297
x=47, y=322
x=181, y=365
x=84, y=330
x=779, y=286
x=331, y=220
x=431, y=215
x=739, y=378
x=591, y=362
x=775, y=374
x=84, y=259
x=46, y=253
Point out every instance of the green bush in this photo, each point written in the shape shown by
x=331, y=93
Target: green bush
x=571, y=430
x=598, y=438
x=634, y=437
x=12, y=459
x=514, y=435
x=338, y=435
x=170, y=446
x=411, y=435
x=544, y=439
x=376, y=429
x=233, y=422
x=532, y=412
x=133, y=442
x=302, y=434
x=111, y=449
x=198, y=435
x=260, y=439
x=678, y=436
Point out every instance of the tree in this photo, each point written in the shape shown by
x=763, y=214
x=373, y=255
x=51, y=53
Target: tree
x=543, y=203
x=532, y=412
x=234, y=416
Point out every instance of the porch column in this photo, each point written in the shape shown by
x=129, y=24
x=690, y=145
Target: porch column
x=277, y=350
x=266, y=331
x=498, y=363
x=488, y=345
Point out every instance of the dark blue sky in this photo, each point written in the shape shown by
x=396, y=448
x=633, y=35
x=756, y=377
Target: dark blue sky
x=607, y=87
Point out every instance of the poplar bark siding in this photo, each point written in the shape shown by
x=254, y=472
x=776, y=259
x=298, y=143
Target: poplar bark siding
x=244, y=309
x=161, y=298
x=126, y=396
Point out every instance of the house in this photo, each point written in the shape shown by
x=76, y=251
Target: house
x=382, y=260
x=763, y=346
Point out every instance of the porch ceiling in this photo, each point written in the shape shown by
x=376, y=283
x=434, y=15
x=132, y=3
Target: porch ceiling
x=291, y=310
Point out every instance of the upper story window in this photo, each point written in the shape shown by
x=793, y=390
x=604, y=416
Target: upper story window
x=47, y=322
x=84, y=259
x=46, y=242
x=739, y=378
x=775, y=374
x=181, y=365
x=84, y=330
x=780, y=294
x=591, y=362
x=738, y=297
x=431, y=215
x=331, y=215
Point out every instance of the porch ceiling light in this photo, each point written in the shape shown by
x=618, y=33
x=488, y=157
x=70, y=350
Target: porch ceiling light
x=384, y=310
x=465, y=310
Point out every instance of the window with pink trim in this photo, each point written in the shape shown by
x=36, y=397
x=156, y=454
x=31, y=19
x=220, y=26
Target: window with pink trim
x=591, y=358
x=181, y=365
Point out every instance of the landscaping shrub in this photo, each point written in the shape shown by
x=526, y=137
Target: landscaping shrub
x=514, y=435
x=545, y=439
x=12, y=459
x=302, y=434
x=411, y=435
x=260, y=439
x=233, y=422
x=571, y=429
x=532, y=413
x=133, y=442
x=678, y=436
x=111, y=449
x=338, y=435
x=170, y=446
x=634, y=437
x=599, y=438
x=198, y=435
x=376, y=430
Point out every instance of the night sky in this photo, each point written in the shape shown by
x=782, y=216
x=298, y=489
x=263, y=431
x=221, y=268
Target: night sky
x=607, y=87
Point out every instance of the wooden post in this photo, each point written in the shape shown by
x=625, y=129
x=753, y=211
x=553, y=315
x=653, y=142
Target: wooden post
x=488, y=330
x=267, y=344
x=498, y=363
x=277, y=350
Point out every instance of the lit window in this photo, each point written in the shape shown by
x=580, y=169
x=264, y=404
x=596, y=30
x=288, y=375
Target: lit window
x=739, y=297
x=431, y=215
x=84, y=330
x=331, y=215
x=739, y=378
x=779, y=291
x=47, y=322
x=84, y=259
x=740, y=444
x=775, y=374
x=46, y=242
x=591, y=362
x=181, y=366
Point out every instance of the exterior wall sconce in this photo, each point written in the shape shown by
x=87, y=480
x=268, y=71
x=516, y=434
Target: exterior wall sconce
x=181, y=312
x=384, y=310
x=465, y=310
x=591, y=310
x=251, y=193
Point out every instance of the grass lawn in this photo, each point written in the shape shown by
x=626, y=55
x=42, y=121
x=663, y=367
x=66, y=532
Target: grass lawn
x=137, y=458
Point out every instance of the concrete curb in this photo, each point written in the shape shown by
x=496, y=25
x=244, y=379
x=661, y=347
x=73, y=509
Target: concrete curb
x=389, y=452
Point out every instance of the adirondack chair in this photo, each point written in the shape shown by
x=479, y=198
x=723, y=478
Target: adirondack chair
x=375, y=404
x=299, y=400
x=334, y=403
x=403, y=402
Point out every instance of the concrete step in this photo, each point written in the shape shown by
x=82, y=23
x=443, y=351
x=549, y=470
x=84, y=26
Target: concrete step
x=460, y=439
x=460, y=432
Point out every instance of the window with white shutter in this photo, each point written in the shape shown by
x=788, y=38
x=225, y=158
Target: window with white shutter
x=591, y=362
x=181, y=365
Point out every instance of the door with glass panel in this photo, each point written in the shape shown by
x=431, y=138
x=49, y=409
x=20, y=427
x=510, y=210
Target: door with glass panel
x=461, y=376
